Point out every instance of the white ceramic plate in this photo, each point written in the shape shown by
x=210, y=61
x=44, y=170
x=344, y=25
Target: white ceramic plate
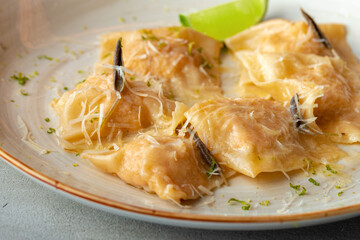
x=31, y=28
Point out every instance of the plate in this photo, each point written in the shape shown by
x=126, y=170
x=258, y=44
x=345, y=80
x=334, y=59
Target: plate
x=57, y=43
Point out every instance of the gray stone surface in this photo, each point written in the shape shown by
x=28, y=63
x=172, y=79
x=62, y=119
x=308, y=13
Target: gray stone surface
x=30, y=211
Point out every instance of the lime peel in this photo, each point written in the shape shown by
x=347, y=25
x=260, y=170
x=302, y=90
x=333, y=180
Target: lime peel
x=184, y=21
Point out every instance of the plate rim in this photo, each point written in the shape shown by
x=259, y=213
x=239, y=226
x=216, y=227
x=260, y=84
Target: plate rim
x=121, y=206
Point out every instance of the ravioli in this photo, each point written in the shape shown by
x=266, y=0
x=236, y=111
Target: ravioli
x=256, y=135
x=167, y=165
x=280, y=35
x=277, y=35
x=328, y=86
x=177, y=57
x=82, y=112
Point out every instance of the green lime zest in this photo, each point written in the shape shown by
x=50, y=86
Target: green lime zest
x=20, y=78
x=51, y=131
x=303, y=191
x=313, y=181
x=212, y=167
x=298, y=188
x=330, y=169
x=23, y=92
x=190, y=48
x=246, y=205
x=45, y=57
x=310, y=163
x=265, y=203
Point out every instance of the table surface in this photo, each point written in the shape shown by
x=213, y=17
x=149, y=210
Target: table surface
x=30, y=211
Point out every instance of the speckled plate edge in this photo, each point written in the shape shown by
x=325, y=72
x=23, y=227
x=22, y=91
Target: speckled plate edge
x=183, y=219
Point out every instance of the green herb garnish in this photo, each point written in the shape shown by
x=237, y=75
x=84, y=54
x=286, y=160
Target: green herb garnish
x=47, y=119
x=246, y=205
x=75, y=165
x=265, y=203
x=20, y=78
x=148, y=35
x=148, y=83
x=23, y=92
x=330, y=169
x=190, y=46
x=311, y=165
x=212, y=166
x=303, y=191
x=93, y=119
x=45, y=57
x=313, y=181
x=80, y=82
x=51, y=131
x=161, y=44
x=297, y=189
x=340, y=193
x=66, y=88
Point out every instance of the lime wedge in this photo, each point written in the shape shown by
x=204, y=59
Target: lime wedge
x=225, y=20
